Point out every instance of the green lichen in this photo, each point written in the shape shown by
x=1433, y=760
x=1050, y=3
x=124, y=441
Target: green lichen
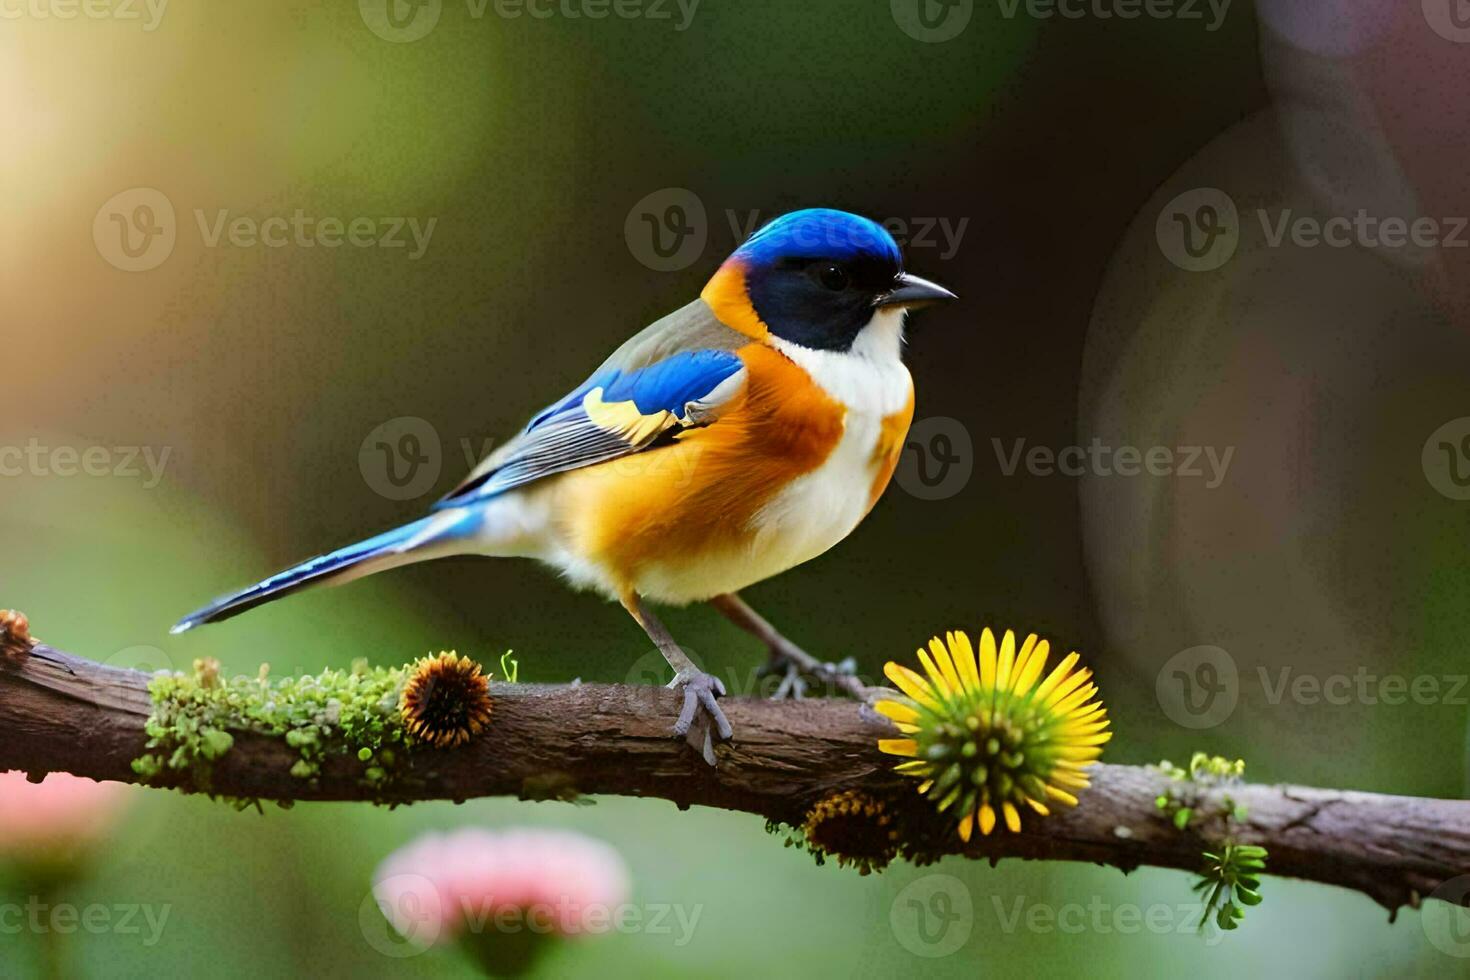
x=337, y=713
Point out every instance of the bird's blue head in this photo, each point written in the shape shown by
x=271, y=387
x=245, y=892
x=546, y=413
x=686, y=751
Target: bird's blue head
x=816, y=278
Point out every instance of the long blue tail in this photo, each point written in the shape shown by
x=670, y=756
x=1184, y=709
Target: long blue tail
x=401, y=546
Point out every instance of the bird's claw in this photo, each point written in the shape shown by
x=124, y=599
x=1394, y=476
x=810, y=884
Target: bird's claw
x=794, y=682
x=701, y=710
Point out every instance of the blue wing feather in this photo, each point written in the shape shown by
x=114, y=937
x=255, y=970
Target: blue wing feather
x=564, y=437
x=670, y=384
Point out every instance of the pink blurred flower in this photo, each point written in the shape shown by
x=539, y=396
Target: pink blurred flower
x=57, y=819
x=484, y=882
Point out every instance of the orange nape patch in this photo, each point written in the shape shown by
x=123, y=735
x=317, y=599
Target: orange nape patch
x=692, y=502
x=890, y=447
x=727, y=296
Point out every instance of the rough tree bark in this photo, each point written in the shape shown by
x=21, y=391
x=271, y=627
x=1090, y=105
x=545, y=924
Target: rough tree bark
x=63, y=713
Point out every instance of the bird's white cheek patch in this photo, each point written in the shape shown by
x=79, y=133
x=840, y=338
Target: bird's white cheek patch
x=869, y=378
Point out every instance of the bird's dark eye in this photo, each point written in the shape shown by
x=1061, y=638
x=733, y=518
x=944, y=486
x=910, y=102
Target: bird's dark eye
x=832, y=276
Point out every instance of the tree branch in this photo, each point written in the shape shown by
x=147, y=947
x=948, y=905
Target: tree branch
x=62, y=713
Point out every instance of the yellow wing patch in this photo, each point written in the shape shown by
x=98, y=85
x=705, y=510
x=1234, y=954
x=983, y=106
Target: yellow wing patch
x=624, y=420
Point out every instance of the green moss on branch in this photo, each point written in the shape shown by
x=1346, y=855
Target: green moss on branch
x=352, y=714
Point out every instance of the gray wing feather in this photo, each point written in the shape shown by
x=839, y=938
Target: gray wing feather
x=555, y=446
x=691, y=327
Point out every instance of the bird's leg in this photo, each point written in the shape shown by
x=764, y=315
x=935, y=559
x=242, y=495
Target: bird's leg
x=786, y=657
x=701, y=710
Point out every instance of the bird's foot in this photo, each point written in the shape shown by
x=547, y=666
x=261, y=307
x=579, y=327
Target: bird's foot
x=702, y=718
x=798, y=675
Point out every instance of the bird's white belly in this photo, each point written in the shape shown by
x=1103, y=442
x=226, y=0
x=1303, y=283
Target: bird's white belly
x=822, y=507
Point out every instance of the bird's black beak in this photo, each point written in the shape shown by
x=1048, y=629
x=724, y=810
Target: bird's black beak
x=910, y=291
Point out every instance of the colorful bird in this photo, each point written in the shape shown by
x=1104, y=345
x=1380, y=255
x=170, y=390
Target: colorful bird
x=735, y=438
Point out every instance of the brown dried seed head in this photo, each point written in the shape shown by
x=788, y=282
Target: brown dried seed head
x=855, y=828
x=446, y=701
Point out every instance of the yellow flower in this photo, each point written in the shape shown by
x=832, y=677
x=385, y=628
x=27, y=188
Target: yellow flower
x=988, y=736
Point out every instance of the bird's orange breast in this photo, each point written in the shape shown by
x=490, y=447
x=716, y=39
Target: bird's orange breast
x=890, y=448
x=698, y=496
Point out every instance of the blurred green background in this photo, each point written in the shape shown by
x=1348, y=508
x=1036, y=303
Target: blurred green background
x=1046, y=145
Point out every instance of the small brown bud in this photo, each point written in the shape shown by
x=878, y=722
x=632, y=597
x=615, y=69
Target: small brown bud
x=15, y=633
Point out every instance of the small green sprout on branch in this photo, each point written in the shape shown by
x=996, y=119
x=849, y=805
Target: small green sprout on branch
x=1181, y=801
x=1232, y=871
x=1232, y=877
